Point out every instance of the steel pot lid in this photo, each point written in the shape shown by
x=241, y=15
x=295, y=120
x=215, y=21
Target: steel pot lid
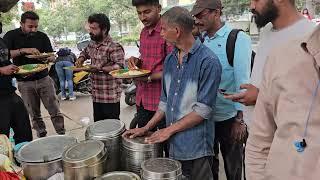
x=106, y=128
x=159, y=168
x=139, y=143
x=44, y=149
x=84, y=153
x=119, y=175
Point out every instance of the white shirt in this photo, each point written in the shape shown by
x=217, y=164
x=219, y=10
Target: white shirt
x=270, y=39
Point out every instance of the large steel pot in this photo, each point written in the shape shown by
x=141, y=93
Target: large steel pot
x=41, y=158
x=119, y=175
x=135, y=151
x=109, y=132
x=84, y=160
x=161, y=169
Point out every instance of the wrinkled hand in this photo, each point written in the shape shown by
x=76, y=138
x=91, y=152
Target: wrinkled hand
x=137, y=132
x=8, y=70
x=32, y=51
x=159, y=136
x=239, y=131
x=248, y=98
x=133, y=62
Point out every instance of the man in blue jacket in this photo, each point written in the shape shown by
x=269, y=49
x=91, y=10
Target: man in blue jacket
x=190, y=82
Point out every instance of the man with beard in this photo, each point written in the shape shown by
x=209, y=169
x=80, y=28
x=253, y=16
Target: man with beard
x=230, y=130
x=282, y=23
x=39, y=86
x=153, y=50
x=12, y=110
x=106, y=56
x=284, y=137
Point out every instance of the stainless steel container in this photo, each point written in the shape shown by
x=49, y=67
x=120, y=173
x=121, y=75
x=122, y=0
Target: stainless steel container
x=41, y=158
x=119, y=175
x=109, y=132
x=84, y=160
x=135, y=151
x=161, y=168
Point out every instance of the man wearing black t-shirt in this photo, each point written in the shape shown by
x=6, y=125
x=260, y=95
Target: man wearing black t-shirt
x=12, y=110
x=39, y=86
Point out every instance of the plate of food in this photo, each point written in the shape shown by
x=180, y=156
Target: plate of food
x=75, y=68
x=31, y=68
x=40, y=56
x=127, y=74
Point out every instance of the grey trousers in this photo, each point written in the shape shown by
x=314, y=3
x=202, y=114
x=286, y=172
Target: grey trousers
x=43, y=89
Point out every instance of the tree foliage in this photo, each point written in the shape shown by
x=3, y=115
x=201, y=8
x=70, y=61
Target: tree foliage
x=73, y=17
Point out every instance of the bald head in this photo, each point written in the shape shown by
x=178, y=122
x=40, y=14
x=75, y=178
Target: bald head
x=180, y=17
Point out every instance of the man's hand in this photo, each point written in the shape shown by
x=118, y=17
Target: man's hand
x=159, y=136
x=51, y=59
x=79, y=62
x=132, y=133
x=32, y=51
x=239, y=129
x=133, y=62
x=8, y=70
x=94, y=68
x=248, y=98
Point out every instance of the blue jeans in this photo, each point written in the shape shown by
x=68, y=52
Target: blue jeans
x=65, y=75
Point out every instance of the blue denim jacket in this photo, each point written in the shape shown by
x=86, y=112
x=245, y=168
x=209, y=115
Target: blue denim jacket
x=191, y=87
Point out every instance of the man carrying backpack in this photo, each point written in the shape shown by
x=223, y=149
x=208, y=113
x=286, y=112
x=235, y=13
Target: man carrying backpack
x=234, y=51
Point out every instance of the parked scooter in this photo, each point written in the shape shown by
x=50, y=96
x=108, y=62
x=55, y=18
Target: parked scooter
x=81, y=81
x=130, y=93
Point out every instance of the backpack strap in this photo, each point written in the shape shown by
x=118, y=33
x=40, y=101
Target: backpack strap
x=231, y=43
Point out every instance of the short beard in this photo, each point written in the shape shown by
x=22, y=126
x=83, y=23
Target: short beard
x=269, y=14
x=96, y=38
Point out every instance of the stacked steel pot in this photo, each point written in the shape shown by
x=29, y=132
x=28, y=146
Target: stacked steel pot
x=161, y=169
x=109, y=132
x=135, y=151
x=85, y=160
x=42, y=158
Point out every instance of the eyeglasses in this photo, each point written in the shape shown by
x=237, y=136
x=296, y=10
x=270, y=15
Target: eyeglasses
x=203, y=13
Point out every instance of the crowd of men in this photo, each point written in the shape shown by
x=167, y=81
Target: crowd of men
x=202, y=95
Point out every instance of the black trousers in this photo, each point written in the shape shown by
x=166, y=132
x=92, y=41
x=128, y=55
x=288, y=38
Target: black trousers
x=198, y=169
x=14, y=114
x=103, y=111
x=232, y=152
x=143, y=116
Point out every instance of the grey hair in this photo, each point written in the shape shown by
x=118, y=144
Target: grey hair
x=179, y=16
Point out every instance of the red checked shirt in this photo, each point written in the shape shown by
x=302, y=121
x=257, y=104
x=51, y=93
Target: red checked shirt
x=153, y=50
x=105, y=88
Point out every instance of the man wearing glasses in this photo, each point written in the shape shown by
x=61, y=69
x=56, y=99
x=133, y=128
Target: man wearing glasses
x=230, y=130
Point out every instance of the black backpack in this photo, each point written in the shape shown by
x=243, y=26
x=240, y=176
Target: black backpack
x=231, y=43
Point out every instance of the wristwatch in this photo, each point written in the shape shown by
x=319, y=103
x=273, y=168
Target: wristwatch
x=149, y=79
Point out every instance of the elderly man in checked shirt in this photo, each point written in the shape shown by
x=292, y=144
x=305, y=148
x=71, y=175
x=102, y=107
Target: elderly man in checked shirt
x=105, y=56
x=153, y=50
